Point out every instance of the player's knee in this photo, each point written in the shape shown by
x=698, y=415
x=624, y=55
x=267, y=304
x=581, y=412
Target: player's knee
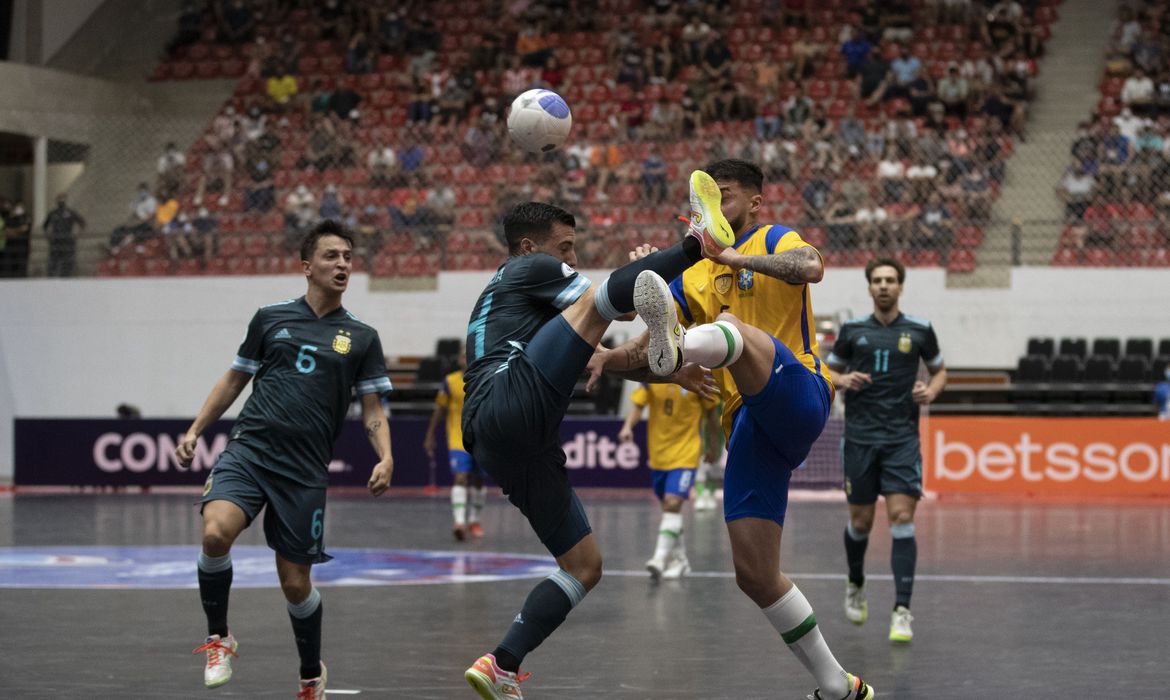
x=862, y=524
x=217, y=541
x=672, y=504
x=296, y=588
x=461, y=479
x=755, y=585
x=902, y=517
x=588, y=572
x=729, y=318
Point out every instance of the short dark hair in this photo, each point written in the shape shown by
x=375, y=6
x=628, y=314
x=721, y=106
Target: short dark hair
x=744, y=173
x=328, y=227
x=885, y=262
x=533, y=220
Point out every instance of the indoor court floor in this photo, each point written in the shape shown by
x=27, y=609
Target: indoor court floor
x=1020, y=600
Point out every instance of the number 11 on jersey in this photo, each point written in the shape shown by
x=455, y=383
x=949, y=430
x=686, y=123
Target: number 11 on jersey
x=881, y=361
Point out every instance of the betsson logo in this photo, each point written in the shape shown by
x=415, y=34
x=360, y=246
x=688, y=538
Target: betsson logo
x=589, y=450
x=1057, y=461
x=141, y=452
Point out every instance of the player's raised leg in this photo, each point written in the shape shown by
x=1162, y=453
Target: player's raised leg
x=223, y=521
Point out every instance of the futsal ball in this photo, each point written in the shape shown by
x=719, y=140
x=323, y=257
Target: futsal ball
x=539, y=120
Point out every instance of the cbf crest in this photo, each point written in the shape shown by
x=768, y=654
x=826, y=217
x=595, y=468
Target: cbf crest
x=342, y=343
x=745, y=280
x=904, y=343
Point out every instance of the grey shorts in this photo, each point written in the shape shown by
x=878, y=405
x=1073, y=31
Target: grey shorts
x=871, y=470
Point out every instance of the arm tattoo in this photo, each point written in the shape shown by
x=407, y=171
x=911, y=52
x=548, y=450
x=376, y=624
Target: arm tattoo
x=636, y=357
x=795, y=266
x=372, y=427
x=641, y=374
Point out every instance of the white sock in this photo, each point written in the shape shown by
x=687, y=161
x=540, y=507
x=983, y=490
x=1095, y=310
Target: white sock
x=459, y=504
x=793, y=618
x=478, y=498
x=669, y=533
x=713, y=344
x=680, y=547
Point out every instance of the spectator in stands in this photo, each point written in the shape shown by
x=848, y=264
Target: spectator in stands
x=1076, y=189
x=891, y=172
x=717, y=58
x=1010, y=113
x=660, y=63
x=840, y=217
x=299, y=210
x=166, y=211
x=170, y=167
x=331, y=204
x=805, y=51
x=1149, y=54
x=486, y=55
x=817, y=192
x=515, y=80
x=897, y=20
x=141, y=223
x=1129, y=124
x=953, y=92
x=331, y=20
x=664, y=121
x=631, y=70
x=1115, y=151
x=695, y=35
x=281, y=88
x=411, y=155
x=871, y=76
x=61, y=228
x=856, y=51
x=977, y=194
x=904, y=70
x=767, y=74
x=903, y=215
x=176, y=235
x=768, y=121
x=532, y=45
x=999, y=28
x=190, y=28
x=870, y=21
x=204, y=237
x=414, y=219
x=382, y=164
x=797, y=109
x=260, y=190
x=16, y=225
x=870, y=220
x=420, y=108
x=552, y=76
x=321, y=150
x=390, y=31
x=935, y=228
x=359, y=55
x=654, y=177
x=440, y=202
x=236, y=21
x=343, y=100
x=480, y=144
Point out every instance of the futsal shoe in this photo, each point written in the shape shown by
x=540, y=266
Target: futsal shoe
x=656, y=567
x=678, y=567
x=900, y=632
x=655, y=305
x=707, y=221
x=856, y=607
x=858, y=690
x=475, y=530
x=313, y=688
x=460, y=532
x=493, y=682
x=219, y=659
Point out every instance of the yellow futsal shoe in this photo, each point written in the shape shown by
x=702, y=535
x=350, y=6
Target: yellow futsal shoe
x=493, y=682
x=900, y=632
x=858, y=690
x=655, y=304
x=707, y=221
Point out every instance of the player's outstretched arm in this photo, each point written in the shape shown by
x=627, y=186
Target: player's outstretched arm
x=801, y=265
x=628, y=361
x=222, y=396
x=378, y=431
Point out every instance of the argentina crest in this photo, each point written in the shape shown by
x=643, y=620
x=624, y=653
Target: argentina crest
x=342, y=343
x=904, y=343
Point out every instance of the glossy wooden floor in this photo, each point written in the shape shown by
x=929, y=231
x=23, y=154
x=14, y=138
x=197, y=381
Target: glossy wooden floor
x=1022, y=600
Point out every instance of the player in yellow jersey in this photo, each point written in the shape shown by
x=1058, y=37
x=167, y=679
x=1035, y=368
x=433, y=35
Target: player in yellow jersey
x=673, y=441
x=753, y=324
x=467, y=475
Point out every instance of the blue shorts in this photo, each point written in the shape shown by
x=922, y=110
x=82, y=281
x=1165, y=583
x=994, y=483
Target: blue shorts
x=462, y=462
x=771, y=435
x=675, y=482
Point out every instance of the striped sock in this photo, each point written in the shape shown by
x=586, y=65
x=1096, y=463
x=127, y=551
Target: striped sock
x=669, y=533
x=793, y=618
x=459, y=504
x=713, y=345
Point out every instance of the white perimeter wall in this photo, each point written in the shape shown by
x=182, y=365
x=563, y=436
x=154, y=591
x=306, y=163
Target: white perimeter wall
x=77, y=348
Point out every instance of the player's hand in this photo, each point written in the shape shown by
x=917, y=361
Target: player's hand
x=595, y=368
x=626, y=434
x=380, y=478
x=731, y=258
x=922, y=394
x=642, y=251
x=714, y=448
x=854, y=381
x=429, y=445
x=697, y=380
x=185, y=450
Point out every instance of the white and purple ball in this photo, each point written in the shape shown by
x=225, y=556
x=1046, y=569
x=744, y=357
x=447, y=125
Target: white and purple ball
x=539, y=120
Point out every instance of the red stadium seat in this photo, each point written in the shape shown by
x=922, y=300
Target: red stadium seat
x=1065, y=257
x=962, y=261
x=1098, y=257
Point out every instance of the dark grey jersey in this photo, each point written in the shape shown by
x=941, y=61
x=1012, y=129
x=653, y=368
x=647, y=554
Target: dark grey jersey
x=525, y=293
x=305, y=368
x=884, y=411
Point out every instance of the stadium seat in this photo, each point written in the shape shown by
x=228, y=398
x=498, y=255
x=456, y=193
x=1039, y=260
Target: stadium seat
x=1164, y=347
x=1076, y=347
x=1065, y=368
x=430, y=370
x=1099, y=368
x=1032, y=368
x=1109, y=347
x=1133, y=368
x=1143, y=347
x=1158, y=368
x=1045, y=347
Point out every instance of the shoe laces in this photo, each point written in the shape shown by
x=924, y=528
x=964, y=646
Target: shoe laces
x=215, y=649
x=307, y=692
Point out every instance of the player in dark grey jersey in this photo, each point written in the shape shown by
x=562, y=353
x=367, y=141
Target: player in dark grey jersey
x=530, y=337
x=304, y=356
x=875, y=362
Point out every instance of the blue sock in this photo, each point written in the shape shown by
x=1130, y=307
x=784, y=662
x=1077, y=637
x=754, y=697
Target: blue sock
x=903, y=559
x=615, y=296
x=544, y=610
x=306, y=624
x=215, y=583
x=855, y=546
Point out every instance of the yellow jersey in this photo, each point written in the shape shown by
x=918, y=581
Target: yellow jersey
x=672, y=431
x=776, y=307
x=450, y=397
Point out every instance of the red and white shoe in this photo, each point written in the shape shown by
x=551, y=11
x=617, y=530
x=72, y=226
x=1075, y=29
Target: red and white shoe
x=493, y=682
x=219, y=659
x=475, y=530
x=707, y=221
x=314, y=688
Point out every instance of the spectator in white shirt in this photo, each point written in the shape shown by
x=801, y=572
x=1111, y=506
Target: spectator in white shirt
x=1138, y=92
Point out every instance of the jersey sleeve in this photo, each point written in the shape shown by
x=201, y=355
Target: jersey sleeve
x=251, y=351
x=779, y=239
x=641, y=396
x=680, y=300
x=443, y=396
x=842, y=352
x=931, y=354
x=372, y=377
x=553, y=282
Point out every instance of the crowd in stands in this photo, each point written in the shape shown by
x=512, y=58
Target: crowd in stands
x=881, y=126
x=1115, y=189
